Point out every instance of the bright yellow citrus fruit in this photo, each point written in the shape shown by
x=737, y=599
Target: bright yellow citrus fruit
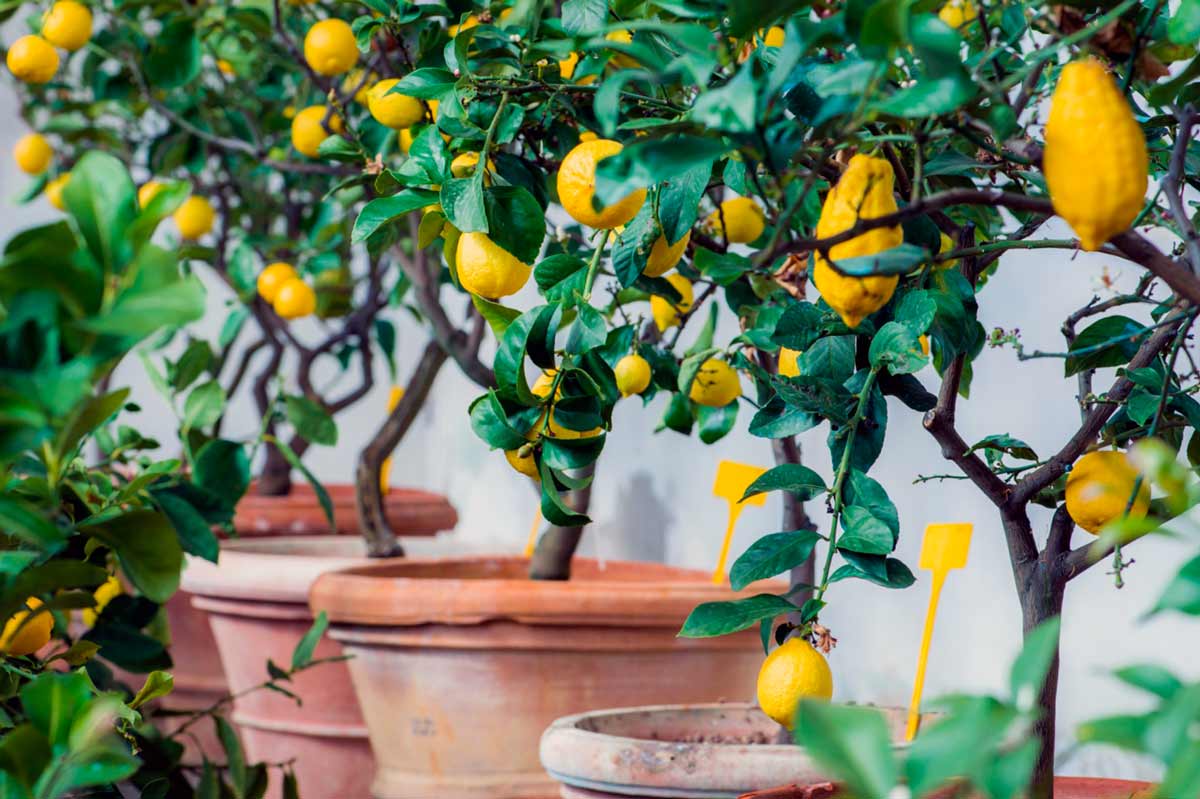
x=274, y=276
x=577, y=187
x=225, y=67
x=486, y=269
x=27, y=639
x=1099, y=488
x=742, y=219
x=957, y=13
x=147, y=192
x=330, y=47
x=789, y=362
x=621, y=59
x=946, y=244
x=294, y=299
x=107, y=592
x=716, y=384
x=665, y=314
x=308, y=132
x=360, y=85
x=541, y=386
x=464, y=165
x=774, y=37
x=470, y=22
x=664, y=256
x=67, y=25
x=32, y=59
x=794, y=671
x=1095, y=159
x=54, y=190
x=33, y=153
x=526, y=465
x=393, y=110
x=633, y=374
x=194, y=217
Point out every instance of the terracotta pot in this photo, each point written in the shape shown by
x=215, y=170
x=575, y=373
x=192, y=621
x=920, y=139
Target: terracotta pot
x=410, y=512
x=718, y=751
x=460, y=663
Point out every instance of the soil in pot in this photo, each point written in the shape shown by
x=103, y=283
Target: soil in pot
x=460, y=663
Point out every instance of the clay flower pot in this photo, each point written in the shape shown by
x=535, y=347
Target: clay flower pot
x=460, y=663
x=720, y=751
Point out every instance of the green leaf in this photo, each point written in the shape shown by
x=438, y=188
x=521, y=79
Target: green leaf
x=853, y=743
x=898, y=260
x=1151, y=678
x=157, y=684
x=554, y=510
x=772, y=554
x=489, y=422
x=1184, y=25
x=148, y=548
x=864, y=491
x=791, y=477
x=235, y=757
x=864, y=533
x=310, y=420
x=896, y=348
x=895, y=573
x=1183, y=591
x=195, y=534
x=679, y=200
x=634, y=244
x=426, y=83
x=498, y=316
x=102, y=200
x=516, y=222
x=53, y=700
x=711, y=619
x=930, y=97
x=1002, y=442
x=174, y=57
x=1031, y=666
x=716, y=423
x=560, y=277
x=916, y=311
x=203, y=406
x=584, y=17
x=223, y=469
x=302, y=655
x=86, y=418
x=383, y=210
x=462, y=203
x=137, y=314
x=1111, y=341
x=294, y=461
x=647, y=162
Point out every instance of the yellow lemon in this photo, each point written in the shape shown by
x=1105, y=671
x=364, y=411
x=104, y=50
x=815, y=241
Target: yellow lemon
x=957, y=13
x=308, y=131
x=665, y=314
x=486, y=269
x=405, y=139
x=1095, y=159
x=32, y=59
x=526, y=465
x=1099, y=488
x=464, y=165
x=359, y=82
x=194, y=217
x=741, y=220
x=393, y=110
x=794, y=671
x=330, y=47
x=106, y=593
x=470, y=22
x=67, y=25
x=147, y=192
x=566, y=66
x=621, y=59
x=587, y=135
x=33, y=153
x=789, y=362
x=864, y=192
x=577, y=187
x=294, y=298
x=54, y=190
x=945, y=245
x=774, y=37
x=924, y=341
x=716, y=384
x=274, y=276
x=633, y=374
x=25, y=640
x=541, y=386
x=225, y=67
x=664, y=256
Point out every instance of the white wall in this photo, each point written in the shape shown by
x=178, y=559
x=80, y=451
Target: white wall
x=652, y=500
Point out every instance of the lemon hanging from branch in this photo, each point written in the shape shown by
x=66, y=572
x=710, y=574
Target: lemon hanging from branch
x=577, y=187
x=1100, y=487
x=487, y=269
x=330, y=47
x=794, y=671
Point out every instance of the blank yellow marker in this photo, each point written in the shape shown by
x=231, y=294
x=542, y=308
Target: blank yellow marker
x=394, y=397
x=732, y=481
x=944, y=548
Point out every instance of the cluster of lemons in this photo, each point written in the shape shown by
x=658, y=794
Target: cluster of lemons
x=281, y=286
x=33, y=58
x=30, y=628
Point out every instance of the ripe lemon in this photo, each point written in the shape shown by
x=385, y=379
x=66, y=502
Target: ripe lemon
x=621, y=59
x=794, y=671
x=32, y=59
x=33, y=153
x=667, y=315
x=1099, y=488
x=577, y=187
x=464, y=165
x=789, y=362
x=147, y=192
x=67, y=25
x=274, y=276
x=18, y=640
x=541, y=386
x=225, y=67
x=716, y=384
x=109, y=590
x=54, y=190
x=330, y=48
x=633, y=374
x=359, y=82
x=774, y=37
x=566, y=66
x=294, y=298
x=194, y=217
x=308, y=132
x=393, y=110
x=470, y=22
x=526, y=465
x=664, y=256
x=742, y=218
x=1095, y=159
x=946, y=244
x=486, y=269
x=957, y=13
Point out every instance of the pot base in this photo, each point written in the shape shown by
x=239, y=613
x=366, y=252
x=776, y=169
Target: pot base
x=411, y=785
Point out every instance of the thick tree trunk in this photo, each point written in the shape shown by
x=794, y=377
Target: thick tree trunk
x=1041, y=600
x=555, y=549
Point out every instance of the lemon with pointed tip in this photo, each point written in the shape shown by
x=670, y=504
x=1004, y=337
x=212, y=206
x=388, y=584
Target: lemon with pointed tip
x=33, y=153
x=487, y=269
x=393, y=109
x=109, y=590
x=24, y=638
x=740, y=220
x=794, y=671
x=274, y=276
x=666, y=314
x=308, y=129
x=330, y=47
x=194, y=217
x=663, y=256
x=633, y=374
x=32, y=59
x=525, y=464
x=863, y=192
x=577, y=187
x=716, y=384
x=67, y=24
x=294, y=299
x=54, y=190
x=789, y=362
x=1095, y=159
x=1100, y=487
x=147, y=192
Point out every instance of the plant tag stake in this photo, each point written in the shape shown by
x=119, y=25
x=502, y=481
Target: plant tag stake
x=732, y=481
x=944, y=548
x=394, y=397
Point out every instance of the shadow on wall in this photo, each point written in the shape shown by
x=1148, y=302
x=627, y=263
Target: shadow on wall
x=637, y=523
